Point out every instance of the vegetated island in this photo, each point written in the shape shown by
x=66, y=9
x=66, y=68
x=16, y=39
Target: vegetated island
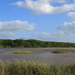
x=32, y=43
x=29, y=51
x=19, y=52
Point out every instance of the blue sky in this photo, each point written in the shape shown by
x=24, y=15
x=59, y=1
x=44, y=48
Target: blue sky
x=47, y=20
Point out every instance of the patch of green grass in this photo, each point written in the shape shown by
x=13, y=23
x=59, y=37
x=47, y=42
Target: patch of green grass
x=19, y=52
x=35, y=68
x=7, y=46
x=1, y=46
x=60, y=51
x=52, y=50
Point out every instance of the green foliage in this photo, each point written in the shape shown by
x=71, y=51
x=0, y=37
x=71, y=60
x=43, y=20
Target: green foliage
x=1, y=46
x=7, y=46
x=31, y=43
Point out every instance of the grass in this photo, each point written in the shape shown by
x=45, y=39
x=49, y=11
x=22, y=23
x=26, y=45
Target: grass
x=60, y=51
x=19, y=52
x=27, y=51
x=52, y=50
x=35, y=68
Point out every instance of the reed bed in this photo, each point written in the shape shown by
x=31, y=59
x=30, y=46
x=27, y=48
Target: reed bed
x=19, y=52
x=60, y=51
x=35, y=68
x=52, y=50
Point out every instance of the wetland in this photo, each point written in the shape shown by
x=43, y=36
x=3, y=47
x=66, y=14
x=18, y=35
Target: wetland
x=40, y=54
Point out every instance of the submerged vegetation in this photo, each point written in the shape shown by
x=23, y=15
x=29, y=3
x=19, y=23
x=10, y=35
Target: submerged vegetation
x=19, y=52
x=35, y=68
x=31, y=43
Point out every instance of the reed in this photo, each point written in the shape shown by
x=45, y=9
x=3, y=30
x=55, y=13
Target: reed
x=52, y=50
x=60, y=51
x=19, y=52
x=35, y=68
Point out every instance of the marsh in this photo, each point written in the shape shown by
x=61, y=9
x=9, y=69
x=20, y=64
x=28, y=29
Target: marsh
x=45, y=56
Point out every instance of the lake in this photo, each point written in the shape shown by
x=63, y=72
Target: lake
x=45, y=56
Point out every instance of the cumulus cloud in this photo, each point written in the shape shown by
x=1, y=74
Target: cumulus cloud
x=7, y=28
x=58, y=36
x=72, y=15
x=59, y=1
x=66, y=34
x=44, y=6
x=7, y=35
x=16, y=26
x=68, y=28
x=49, y=36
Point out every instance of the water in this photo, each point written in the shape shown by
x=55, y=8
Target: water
x=35, y=54
x=45, y=56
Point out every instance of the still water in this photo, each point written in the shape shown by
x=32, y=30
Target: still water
x=45, y=56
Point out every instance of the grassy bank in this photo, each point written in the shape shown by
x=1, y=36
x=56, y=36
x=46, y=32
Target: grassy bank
x=19, y=52
x=35, y=68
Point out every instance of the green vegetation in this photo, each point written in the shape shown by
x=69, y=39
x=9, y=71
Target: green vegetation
x=35, y=68
x=70, y=50
x=19, y=52
x=52, y=50
x=60, y=51
x=31, y=43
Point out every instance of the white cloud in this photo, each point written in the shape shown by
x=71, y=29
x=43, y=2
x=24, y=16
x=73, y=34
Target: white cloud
x=67, y=34
x=58, y=36
x=44, y=6
x=16, y=26
x=68, y=28
x=7, y=35
x=72, y=15
x=59, y=1
x=49, y=36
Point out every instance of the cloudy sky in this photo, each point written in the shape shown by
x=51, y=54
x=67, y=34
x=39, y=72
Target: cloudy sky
x=47, y=20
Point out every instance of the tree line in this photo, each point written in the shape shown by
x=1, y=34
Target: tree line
x=32, y=43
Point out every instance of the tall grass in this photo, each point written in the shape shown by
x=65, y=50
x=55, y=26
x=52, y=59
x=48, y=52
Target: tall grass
x=1, y=46
x=35, y=68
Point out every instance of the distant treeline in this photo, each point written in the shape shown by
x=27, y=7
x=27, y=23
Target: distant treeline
x=31, y=43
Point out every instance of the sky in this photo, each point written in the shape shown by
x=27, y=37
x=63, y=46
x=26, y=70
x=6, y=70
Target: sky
x=46, y=20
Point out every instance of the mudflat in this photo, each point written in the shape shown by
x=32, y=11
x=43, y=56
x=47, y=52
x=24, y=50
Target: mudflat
x=45, y=56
